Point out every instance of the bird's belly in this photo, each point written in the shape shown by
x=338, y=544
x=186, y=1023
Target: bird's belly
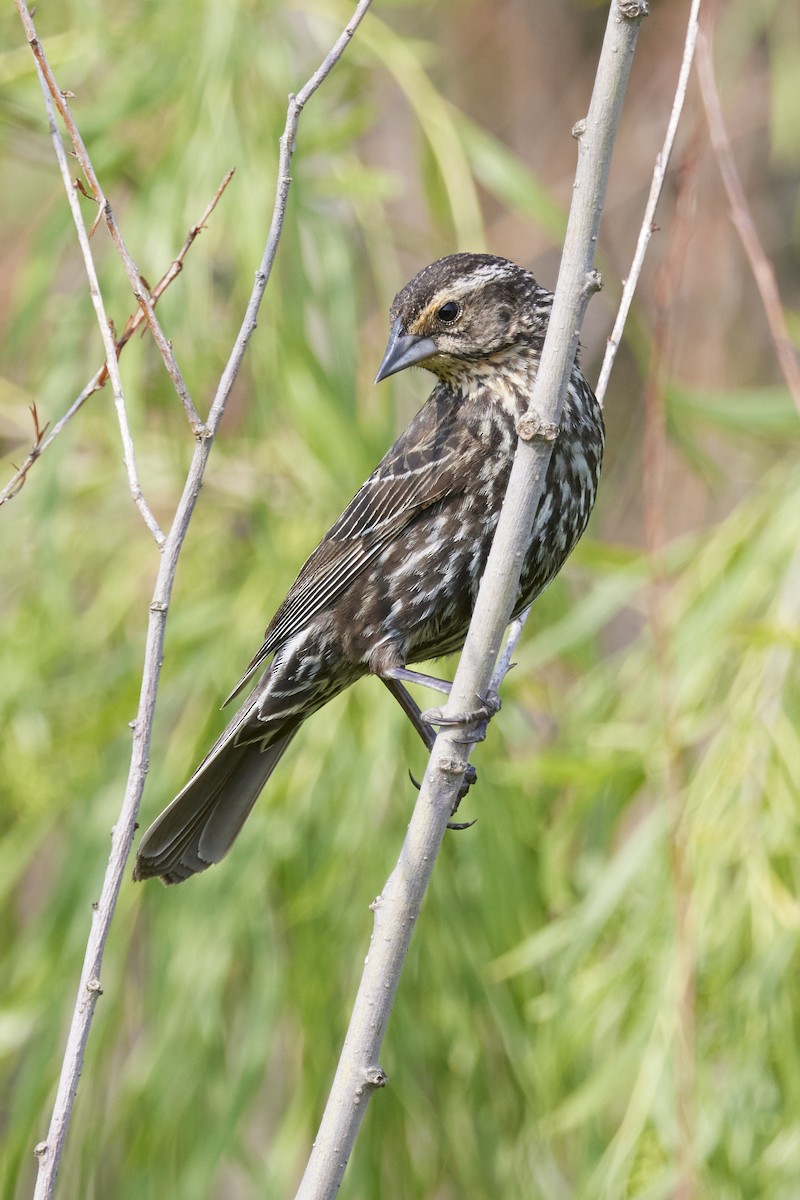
x=415, y=600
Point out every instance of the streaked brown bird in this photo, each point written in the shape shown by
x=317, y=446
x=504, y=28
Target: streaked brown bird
x=394, y=581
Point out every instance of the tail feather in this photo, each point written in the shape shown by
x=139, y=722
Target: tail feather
x=200, y=825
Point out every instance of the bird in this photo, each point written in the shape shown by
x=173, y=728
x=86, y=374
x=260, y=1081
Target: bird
x=394, y=580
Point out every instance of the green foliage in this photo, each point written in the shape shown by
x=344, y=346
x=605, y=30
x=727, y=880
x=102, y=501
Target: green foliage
x=605, y=974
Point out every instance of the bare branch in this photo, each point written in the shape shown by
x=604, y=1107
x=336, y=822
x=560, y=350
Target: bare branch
x=296, y=105
x=49, y=1152
x=140, y=289
x=397, y=908
x=741, y=216
x=106, y=333
x=647, y=227
x=100, y=377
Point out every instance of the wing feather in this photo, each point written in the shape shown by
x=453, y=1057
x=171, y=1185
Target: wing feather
x=422, y=467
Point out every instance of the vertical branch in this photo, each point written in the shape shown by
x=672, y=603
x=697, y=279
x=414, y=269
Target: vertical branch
x=396, y=910
x=112, y=363
x=647, y=227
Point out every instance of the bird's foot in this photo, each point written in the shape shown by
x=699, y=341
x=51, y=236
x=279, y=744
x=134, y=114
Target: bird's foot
x=475, y=720
x=470, y=777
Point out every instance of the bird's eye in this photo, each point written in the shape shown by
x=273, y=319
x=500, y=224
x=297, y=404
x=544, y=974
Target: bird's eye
x=449, y=311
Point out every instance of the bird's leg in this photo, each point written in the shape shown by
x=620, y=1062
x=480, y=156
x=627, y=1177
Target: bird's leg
x=489, y=705
x=410, y=708
x=429, y=681
x=423, y=728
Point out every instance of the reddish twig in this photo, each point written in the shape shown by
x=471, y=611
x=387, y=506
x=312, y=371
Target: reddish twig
x=100, y=378
x=763, y=271
x=140, y=289
x=36, y=449
x=106, y=332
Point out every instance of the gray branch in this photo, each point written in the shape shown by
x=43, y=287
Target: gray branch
x=647, y=227
x=396, y=910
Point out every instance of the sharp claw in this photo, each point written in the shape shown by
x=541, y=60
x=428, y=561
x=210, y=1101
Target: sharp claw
x=432, y=716
x=470, y=777
x=478, y=734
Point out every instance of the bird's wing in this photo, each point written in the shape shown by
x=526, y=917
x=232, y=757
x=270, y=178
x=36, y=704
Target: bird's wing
x=423, y=466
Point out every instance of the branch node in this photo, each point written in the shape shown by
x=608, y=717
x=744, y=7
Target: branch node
x=450, y=766
x=375, y=1076
x=40, y=1149
x=376, y=903
x=579, y=128
x=157, y=606
x=594, y=283
x=633, y=10
x=531, y=428
x=94, y=987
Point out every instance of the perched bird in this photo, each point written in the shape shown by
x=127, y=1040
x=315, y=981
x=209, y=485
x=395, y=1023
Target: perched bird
x=394, y=581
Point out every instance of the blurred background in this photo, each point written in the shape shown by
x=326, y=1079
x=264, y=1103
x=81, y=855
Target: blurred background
x=601, y=999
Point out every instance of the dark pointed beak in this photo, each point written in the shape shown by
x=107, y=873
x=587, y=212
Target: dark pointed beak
x=404, y=350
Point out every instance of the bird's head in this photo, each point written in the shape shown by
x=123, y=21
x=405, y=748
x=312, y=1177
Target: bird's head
x=462, y=310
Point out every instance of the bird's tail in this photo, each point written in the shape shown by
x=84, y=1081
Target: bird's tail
x=202, y=822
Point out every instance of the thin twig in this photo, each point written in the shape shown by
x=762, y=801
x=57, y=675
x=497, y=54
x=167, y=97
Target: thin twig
x=140, y=289
x=647, y=228
x=396, y=910
x=49, y=1152
x=106, y=333
x=100, y=377
x=504, y=663
x=763, y=271
x=287, y=143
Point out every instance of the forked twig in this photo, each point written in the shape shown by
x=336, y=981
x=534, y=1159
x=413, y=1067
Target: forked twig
x=49, y=1152
x=99, y=379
